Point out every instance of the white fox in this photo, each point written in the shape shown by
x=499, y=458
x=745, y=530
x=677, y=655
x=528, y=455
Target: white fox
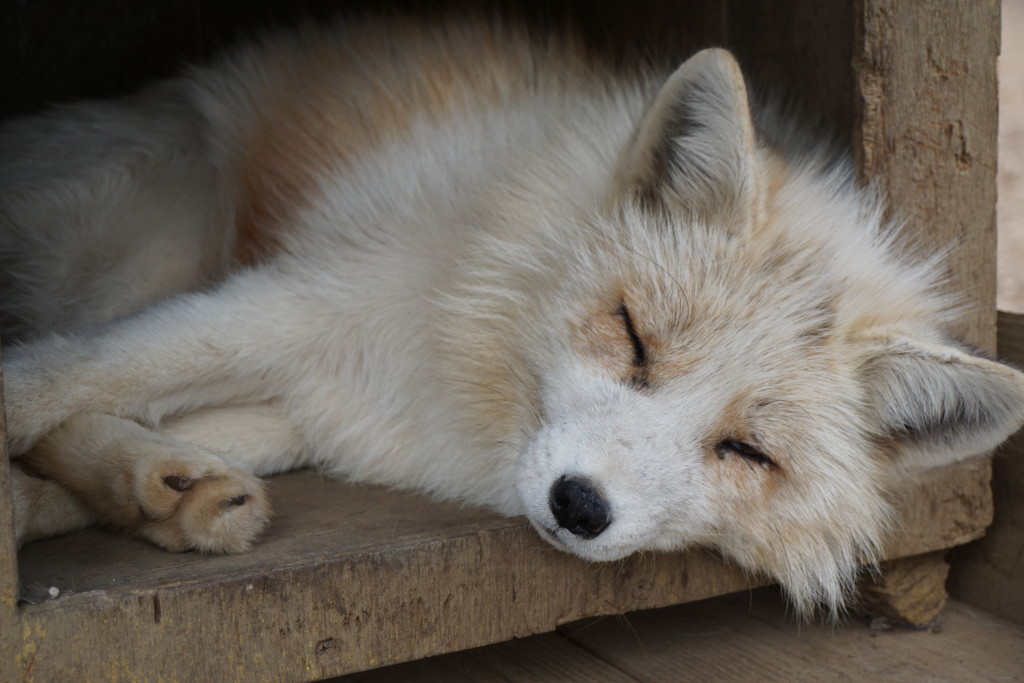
x=458, y=259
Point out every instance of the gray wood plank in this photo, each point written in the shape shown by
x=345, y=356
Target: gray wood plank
x=547, y=657
x=749, y=637
x=742, y=637
x=352, y=578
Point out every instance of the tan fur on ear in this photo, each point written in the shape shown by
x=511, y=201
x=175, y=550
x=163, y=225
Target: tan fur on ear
x=695, y=148
x=938, y=403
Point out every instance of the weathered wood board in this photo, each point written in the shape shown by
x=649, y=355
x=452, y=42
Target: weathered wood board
x=926, y=134
x=742, y=637
x=351, y=578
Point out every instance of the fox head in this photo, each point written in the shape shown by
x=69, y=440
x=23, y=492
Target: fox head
x=729, y=351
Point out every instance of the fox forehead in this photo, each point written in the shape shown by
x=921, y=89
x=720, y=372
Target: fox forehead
x=745, y=337
x=725, y=378
x=705, y=291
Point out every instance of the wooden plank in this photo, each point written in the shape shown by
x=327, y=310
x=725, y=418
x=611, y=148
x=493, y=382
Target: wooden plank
x=738, y=637
x=990, y=573
x=944, y=508
x=925, y=77
x=715, y=640
x=350, y=578
x=748, y=638
x=547, y=657
x=925, y=133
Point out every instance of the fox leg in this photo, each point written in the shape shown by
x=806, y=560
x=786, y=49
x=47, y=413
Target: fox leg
x=177, y=495
x=171, y=358
x=44, y=508
x=258, y=436
x=195, y=491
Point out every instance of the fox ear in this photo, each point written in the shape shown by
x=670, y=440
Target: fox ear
x=694, y=149
x=938, y=403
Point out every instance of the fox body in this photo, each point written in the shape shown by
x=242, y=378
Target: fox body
x=458, y=259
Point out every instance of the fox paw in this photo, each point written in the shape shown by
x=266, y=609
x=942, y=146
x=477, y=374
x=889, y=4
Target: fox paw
x=197, y=505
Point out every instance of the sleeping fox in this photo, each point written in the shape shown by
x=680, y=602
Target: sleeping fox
x=464, y=260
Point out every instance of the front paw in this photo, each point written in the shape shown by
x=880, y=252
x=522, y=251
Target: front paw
x=35, y=401
x=210, y=507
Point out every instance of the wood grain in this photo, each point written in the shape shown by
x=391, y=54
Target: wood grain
x=548, y=657
x=925, y=133
x=910, y=591
x=748, y=637
x=743, y=637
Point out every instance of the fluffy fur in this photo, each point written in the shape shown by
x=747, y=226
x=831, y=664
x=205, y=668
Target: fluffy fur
x=458, y=259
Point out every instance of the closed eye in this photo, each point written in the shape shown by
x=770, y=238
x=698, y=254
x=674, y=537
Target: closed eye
x=750, y=454
x=640, y=357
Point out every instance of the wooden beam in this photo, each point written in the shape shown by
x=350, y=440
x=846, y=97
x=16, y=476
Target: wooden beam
x=910, y=591
x=743, y=637
x=748, y=638
x=925, y=133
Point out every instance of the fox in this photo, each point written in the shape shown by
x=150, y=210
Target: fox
x=467, y=259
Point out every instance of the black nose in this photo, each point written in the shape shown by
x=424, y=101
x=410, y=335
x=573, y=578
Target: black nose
x=578, y=507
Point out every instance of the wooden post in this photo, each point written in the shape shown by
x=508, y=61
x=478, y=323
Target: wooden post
x=925, y=79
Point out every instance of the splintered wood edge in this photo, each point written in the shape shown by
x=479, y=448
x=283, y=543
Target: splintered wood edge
x=912, y=590
x=326, y=618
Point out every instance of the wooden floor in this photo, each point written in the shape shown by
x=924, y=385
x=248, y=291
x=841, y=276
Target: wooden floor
x=742, y=637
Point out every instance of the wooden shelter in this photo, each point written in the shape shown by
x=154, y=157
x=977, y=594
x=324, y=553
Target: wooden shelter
x=351, y=578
